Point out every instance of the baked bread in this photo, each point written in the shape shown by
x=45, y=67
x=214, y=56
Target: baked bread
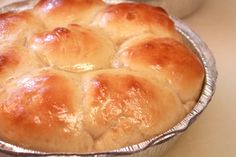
x=84, y=76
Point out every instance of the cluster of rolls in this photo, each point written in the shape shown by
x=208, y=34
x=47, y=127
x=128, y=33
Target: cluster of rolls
x=84, y=76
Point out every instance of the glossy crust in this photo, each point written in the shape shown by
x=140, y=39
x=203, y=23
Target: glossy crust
x=16, y=28
x=169, y=59
x=82, y=76
x=15, y=61
x=123, y=107
x=122, y=21
x=60, y=13
x=70, y=49
x=41, y=111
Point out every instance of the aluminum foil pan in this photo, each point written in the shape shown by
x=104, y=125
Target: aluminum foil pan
x=179, y=8
x=156, y=146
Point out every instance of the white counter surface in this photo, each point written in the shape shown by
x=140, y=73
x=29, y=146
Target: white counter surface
x=214, y=133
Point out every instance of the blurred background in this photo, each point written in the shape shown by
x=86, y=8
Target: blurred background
x=214, y=133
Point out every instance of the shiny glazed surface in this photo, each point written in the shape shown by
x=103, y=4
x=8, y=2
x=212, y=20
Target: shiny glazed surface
x=103, y=103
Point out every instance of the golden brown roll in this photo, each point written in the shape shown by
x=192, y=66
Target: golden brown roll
x=74, y=48
x=42, y=111
x=170, y=60
x=15, y=28
x=123, y=108
x=60, y=13
x=125, y=20
x=15, y=61
x=82, y=76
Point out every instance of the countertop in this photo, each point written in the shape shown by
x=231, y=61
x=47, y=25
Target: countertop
x=214, y=132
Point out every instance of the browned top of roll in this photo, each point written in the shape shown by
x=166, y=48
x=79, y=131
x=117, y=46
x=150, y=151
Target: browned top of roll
x=170, y=59
x=59, y=13
x=16, y=27
x=125, y=20
x=84, y=76
x=123, y=107
x=70, y=49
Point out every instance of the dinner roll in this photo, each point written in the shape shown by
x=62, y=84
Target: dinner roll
x=125, y=20
x=169, y=59
x=122, y=108
x=60, y=13
x=42, y=111
x=15, y=28
x=70, y=49
x=16, y=61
